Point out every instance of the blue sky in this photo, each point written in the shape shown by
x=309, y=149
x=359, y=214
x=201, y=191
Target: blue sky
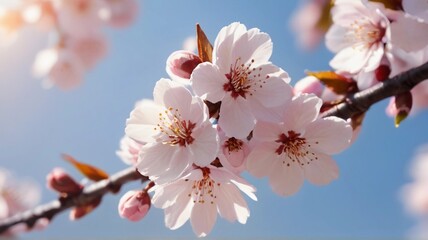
x=37, y=125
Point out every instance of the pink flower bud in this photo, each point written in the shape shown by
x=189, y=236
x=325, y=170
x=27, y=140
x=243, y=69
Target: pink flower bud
x=180, y=64
x=309, y=84
x=382, y=72
x=60, y=181
x=134, y=205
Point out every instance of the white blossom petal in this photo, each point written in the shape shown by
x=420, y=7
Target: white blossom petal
x=203, y=218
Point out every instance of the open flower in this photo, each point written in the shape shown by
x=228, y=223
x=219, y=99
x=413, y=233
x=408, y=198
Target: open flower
x=200, y=195
x=299, y=147
x=176, y=130
x=358, y=36
x=242, y=78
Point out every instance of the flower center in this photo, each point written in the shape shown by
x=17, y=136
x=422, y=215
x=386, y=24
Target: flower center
x=203, y=190
x=233, y=145
x=363, y=32
x=241, y=78
x=295, y=148
x=176, y=130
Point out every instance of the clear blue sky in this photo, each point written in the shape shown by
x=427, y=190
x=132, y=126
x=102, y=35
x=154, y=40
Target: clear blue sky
x=37, y=125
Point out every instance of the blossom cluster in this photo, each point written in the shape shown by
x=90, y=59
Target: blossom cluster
x=220, y=115
x=76, y=28
x=374, y=41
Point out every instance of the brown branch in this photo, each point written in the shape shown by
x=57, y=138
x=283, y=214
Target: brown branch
x=361, y=101
x=358, y=103
x=89, y=193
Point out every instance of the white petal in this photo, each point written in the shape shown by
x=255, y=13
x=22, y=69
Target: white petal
x=351, y=59
x=408, y=33
x=207, y=82
x=267, y=131
x=335, y=38
x=329, y=135
x=270, y=91
x=141, y=124
x=178, y=164
x=236, y=119
x=205, y=147
x=262, y=159
x=223, y=44
x=322, y=170
x=203, y=218
x=166, y=195
x=253, y=45
x=376, y=55
x=301, y=111
x=286, y=180
x=4, y=209
x=228, y=197
x=176, y=215
x=155, y=158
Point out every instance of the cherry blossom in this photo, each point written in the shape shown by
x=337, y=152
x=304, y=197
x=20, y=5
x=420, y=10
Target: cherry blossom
x=309, y=84
x=60, y=67
x=119, y=13
x=358, y=36
x=233, y=152
x=310, y=22
x=134, y=205
x=299, y=147
x=176, y=130
x=79, y=17
x=89, y=48
x=129, y=150
x=418, y=8
x=200, y=195
x=16, y=195
x=242, y=78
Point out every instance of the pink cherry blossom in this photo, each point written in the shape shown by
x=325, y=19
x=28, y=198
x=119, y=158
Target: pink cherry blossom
x=129, y=150
x=299, y=147
x=242, y=78
x=60, y=67
x=89, y=49
x=176, y=130
x=358, y=36
x=409, y=33
x=120, y=13
x=16, y=195
x=309, y=84
x=306, y=23
x=40, y=12
x=79, y=17
x=233, y=152
x=134, y=205
x=200, y=195
x=180, y=65
x=417, y=8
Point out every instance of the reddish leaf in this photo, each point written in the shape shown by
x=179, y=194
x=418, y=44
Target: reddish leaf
x=335, y=82
x=205, y=49
x=91, y=172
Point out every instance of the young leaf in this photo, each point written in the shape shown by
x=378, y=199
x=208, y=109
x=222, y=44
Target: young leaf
x=335, y=82
x=205, y=49
x=91, y=172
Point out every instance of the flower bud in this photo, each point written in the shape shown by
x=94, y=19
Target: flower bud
x=134, y=205
x=382, y=73
x=180, y=64
x=309, y=84
x=60, y=181
x=82, y=210
x=403, y=103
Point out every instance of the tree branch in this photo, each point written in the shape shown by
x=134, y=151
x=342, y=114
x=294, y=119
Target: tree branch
x=361, y=101
x=89, y=193
x=358, y=103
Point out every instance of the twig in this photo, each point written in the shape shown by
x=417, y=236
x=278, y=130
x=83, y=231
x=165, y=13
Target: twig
x=361, y=101
x=88, y=194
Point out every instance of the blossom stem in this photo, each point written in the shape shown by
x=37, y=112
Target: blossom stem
x=361, y=101
x=357, y=103
x=89, y=193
